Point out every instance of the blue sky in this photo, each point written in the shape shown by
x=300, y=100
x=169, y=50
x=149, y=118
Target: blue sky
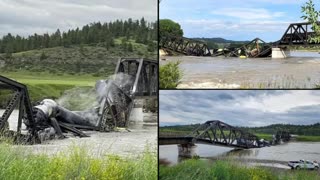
x=239, y=108
x=233, y=19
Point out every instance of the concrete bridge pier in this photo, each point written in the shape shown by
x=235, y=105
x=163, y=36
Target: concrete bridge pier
x=187, y=150
x=280, y=53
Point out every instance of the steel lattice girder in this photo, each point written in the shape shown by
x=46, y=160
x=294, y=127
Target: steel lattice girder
x=184, y=45
x=217, y=132
x=297, y=34
x=253, y=49
x=20, y=99
x=144, y=73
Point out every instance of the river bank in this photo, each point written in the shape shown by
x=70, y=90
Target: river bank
x=203, y=169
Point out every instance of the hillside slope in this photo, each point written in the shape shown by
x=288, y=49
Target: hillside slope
x=77, y=59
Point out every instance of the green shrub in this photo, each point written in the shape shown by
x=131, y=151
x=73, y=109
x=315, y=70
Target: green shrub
x=170, y=75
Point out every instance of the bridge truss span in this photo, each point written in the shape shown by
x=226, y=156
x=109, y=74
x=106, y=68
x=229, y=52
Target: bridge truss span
x=297, y=34
x=220, y=133
x=184, y=45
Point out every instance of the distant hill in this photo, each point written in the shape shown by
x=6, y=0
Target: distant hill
x=220, y=42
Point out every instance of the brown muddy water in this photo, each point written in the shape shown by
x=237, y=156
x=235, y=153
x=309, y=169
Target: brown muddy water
x=274, y=156
x=122, y=143
x=301, y=70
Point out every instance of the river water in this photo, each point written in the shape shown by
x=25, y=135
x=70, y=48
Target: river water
x=123, y=143
x=301, y=70
x=275, y=155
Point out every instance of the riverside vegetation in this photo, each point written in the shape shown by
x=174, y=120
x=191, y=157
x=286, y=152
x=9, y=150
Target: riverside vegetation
x=170, y=75
x=18, y=164
x=199, y=169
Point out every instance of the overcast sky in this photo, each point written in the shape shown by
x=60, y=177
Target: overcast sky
x=234, y=19
x=239, y=108
x=25, y=17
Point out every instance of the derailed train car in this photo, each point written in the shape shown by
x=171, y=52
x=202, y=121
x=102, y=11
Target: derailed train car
x=115, y=97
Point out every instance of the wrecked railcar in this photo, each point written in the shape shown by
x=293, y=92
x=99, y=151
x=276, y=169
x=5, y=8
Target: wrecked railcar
x=47, y=119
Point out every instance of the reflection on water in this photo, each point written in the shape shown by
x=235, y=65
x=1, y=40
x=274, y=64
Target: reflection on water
x=241, y=153
x=284, y=152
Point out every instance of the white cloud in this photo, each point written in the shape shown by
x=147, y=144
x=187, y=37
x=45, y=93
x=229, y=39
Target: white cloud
x=38, y=16
x=280, y=103
x=248, y=13
x=165, y=118
x=239, y=108
x=225, y=28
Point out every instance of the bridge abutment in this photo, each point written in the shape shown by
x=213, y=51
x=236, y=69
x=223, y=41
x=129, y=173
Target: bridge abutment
x=280, y=53
x=187, y=150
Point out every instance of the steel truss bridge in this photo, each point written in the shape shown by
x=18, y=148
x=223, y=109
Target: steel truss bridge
x=144, y=73
x=114, y=112
x=184, y=45
x=296, y=34
x=218, y=133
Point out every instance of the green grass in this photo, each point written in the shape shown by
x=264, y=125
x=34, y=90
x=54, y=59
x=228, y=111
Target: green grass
x=199, y=169
x=16, y=163
x=38, y=78
x=308, y=138
x=264, y=136
x=45, y=85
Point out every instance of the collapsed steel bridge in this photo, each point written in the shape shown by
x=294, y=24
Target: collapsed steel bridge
x=215, y=133
x=254, y=49
x=296, y=34
x=115, y=103
x=218, y=133
x=184, y=45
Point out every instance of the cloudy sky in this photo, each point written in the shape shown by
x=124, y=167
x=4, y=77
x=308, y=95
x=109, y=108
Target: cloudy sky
x=239, y=108
x=25, y=17
x=233, y=19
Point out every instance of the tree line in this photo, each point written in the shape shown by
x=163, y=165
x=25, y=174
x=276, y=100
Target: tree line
x=139, y=30
x=307, y=130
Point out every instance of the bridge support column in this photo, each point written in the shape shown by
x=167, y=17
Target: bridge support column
x=279, y=53
x=187, y=150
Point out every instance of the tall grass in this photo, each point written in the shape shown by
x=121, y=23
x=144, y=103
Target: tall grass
x=17, y=163
x=198, y=169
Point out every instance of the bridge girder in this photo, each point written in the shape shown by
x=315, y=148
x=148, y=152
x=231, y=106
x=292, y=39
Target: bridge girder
x=297, y=34
x=144, y=74
x=217, y=132
x=184, y=45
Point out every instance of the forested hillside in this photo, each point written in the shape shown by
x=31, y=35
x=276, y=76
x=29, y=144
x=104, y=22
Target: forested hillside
x=141, y=31
x=92, y=49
